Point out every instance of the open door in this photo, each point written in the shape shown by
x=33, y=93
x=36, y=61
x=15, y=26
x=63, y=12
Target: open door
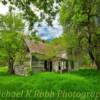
x=50, y=64
x=67, y=65
x=46, y=65
x=59, y=66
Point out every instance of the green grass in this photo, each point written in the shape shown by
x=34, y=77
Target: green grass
x=80, y=85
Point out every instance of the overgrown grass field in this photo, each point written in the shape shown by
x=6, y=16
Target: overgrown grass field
x=80, y=85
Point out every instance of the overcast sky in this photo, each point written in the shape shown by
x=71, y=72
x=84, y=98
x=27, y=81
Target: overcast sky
x=45, y=32
x=3, y=9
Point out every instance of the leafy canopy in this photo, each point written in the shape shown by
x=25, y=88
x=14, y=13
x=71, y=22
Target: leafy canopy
x=46, y=9
x=11, y=27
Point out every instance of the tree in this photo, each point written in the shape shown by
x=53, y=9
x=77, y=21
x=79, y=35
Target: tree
x=11, y=41
x=47, y=9
x=81, y=17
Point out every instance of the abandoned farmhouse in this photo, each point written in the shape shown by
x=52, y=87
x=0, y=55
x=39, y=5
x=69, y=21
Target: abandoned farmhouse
x=39, y=58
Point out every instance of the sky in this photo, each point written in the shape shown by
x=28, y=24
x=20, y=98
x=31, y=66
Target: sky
x=45, y=32
x=3, y=9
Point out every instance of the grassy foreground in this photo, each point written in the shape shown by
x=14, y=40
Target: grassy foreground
x=81, y=85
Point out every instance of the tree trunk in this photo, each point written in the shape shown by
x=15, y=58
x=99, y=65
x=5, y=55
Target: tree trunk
x=72, y=64
x=10, y=66
x=97, y=62
x=94, y=56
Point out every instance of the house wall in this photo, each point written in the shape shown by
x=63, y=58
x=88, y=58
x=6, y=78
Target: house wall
x=55, y=66
x=59, y=63
x=65, y=65
x=37, y=66
x=31, y=63
x=22, y=66
x=22, y=70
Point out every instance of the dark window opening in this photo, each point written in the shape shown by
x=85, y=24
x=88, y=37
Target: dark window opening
x=50, y=66
x=34, y=58
x=46, y=65
x=67, y=65
x=59, y=66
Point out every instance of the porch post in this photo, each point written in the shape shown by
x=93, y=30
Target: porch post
x=67, y=65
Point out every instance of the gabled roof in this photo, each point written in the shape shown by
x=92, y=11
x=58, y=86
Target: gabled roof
x=36, y=47
x=42, y=50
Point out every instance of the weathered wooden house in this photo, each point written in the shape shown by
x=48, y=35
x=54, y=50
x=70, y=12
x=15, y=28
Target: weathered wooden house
x=40, y=57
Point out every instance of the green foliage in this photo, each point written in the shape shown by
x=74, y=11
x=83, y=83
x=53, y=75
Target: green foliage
x=77, y=11
x=82, y=19
x=11, y=22
x=61, y=42
x=86, y=59
x=35, y=37
x=11, y=39
x=46, y=8
x=71, y=40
